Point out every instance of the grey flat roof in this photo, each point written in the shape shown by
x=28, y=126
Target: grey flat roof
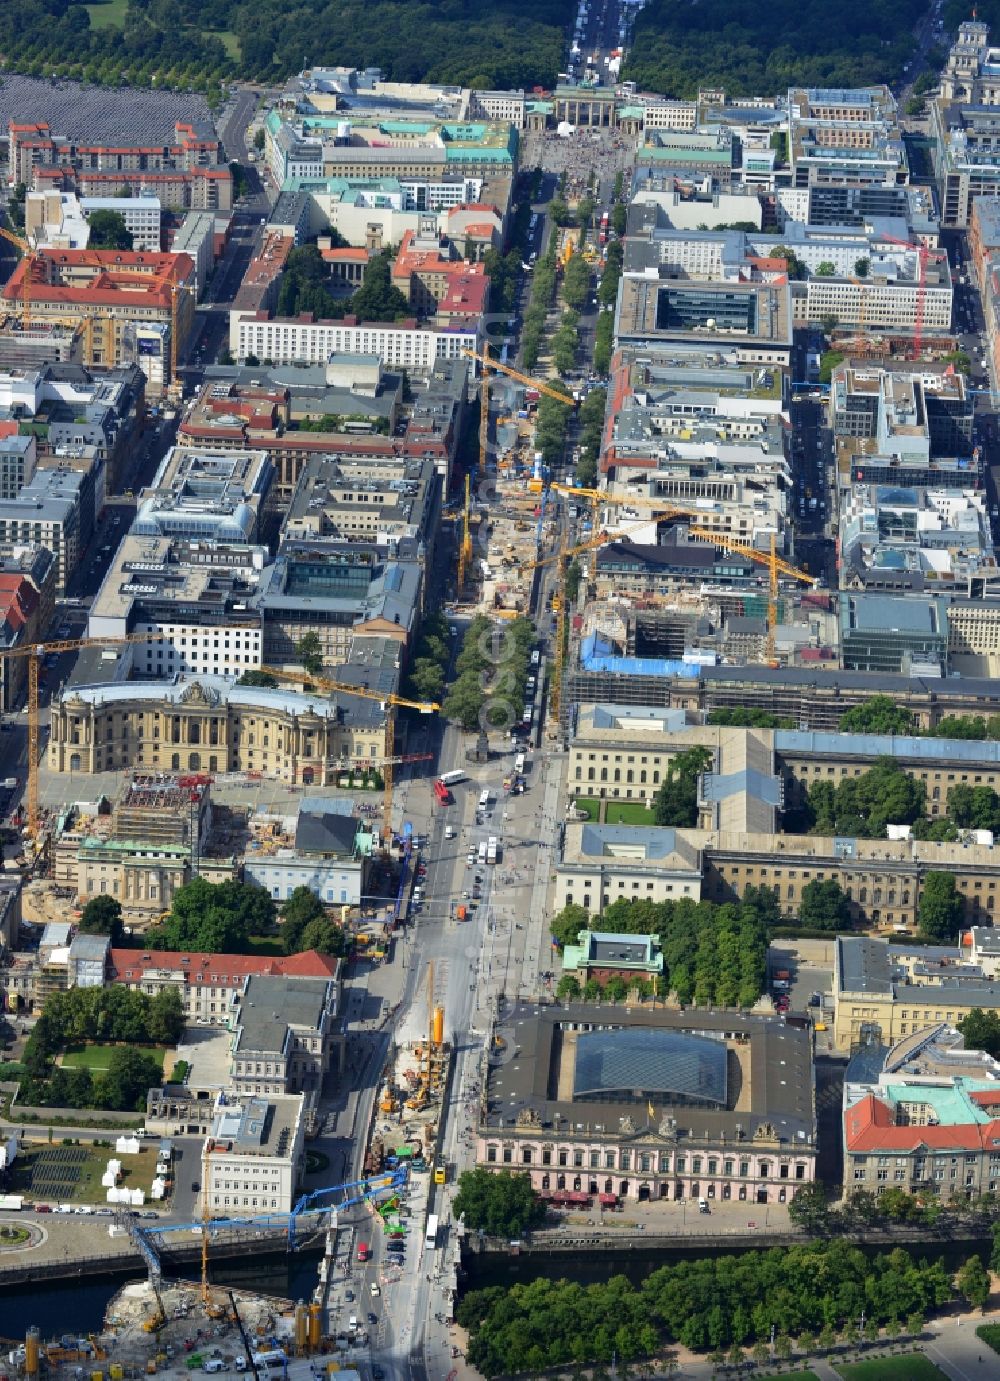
x=775, y=1061
x=607, y=950
x=793, y=741
x=273, y=1004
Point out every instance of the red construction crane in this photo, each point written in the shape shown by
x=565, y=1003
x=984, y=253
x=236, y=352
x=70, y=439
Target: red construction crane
x=923, y=254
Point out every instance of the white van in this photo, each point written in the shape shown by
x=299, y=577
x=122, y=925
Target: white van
x=214, y=1364
x=449, y=831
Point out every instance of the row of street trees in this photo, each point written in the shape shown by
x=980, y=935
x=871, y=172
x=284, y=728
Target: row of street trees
x=492, y=672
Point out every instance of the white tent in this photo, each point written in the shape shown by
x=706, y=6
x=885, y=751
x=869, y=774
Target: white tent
x=127, y=1145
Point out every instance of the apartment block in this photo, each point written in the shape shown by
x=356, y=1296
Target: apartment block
x=115, y=295
x=399, y=345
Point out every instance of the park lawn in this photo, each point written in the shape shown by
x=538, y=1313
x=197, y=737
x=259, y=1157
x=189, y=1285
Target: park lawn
x=265, y=944
x=228, y=40
x=138, y=1172
x=94, y=1056
x=914, y=1366
x=107, y=16
x=628, y=813
x=617, y=812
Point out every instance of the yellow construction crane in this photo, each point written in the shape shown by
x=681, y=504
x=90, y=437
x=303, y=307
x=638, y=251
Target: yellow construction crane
x=526, y=379
x=465, y=542
x=391, y=703
x=34, y=653
x=29, y=257
x=775, y=564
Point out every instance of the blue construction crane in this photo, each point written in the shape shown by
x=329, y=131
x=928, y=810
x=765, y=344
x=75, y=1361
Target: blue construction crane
x=371, y=1186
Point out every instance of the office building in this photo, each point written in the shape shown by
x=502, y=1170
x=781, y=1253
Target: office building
x=211, y=986
x=254, y=1157
x=191, y=600
x=884, y=992
x=287, y=1036
x=923, y=1116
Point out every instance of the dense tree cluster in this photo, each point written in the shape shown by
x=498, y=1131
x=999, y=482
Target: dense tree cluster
x=213, y=918
x=941, y=910
x=878, y=715
x=108, y=231
x=500, y=1204
x=543, y=287
x=564, y=345
x=180, y=43
x=305, y=925
x=676, y=802
x=824, y=906
x=591, y=423
x=107, y=1015
x=576, y=282
x=748, y=717
x=713, y=1303
x=305, y=287
x=552, y=422
x=103, y=916
x=981, y=1031
x=861, y=807
x=711, y=954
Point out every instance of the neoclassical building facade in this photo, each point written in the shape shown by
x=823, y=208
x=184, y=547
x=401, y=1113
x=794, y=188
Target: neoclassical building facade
x=212, y=725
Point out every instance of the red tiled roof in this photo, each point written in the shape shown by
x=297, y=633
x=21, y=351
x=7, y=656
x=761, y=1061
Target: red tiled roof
x=129, y=966
x=18, y=600
x=869, y=1126
x=115, y=280
x=354, y=254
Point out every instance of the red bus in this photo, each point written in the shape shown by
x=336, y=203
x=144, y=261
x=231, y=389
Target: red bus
x=603, y=237
x=442, y=793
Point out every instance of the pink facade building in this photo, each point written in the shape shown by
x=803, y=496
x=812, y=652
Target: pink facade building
x=619, y=1103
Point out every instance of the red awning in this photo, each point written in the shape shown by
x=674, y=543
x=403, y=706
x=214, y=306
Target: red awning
x=610, y=1199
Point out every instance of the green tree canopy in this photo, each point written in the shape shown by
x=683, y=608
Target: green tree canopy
x=973, y=1282
x=566, y=925
x=309, y=651
x=501, y=1204
x=863, y=806
x=215, y=918
x=676, y=802
x=981, y=1031
x=878, y=715
x=103, y=916
x=941, y=909
x=108, y=231
x=824, y=906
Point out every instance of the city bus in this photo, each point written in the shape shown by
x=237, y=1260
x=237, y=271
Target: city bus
x=442, y=793
x=431, y=1235
x=452, y=778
